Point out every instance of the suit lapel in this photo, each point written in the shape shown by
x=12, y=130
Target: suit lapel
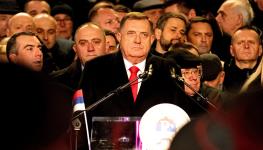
x=123, y=79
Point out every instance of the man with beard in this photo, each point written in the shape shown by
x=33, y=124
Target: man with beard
x=170, y=30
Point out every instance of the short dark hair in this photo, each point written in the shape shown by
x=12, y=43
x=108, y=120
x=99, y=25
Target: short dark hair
x=122, y=8
x=110, y=33
x=94, y=10
x=196, y=20
x=184, y=5
x=250, y=27
x=135, y=16
x=164, y=18
x=11, y=43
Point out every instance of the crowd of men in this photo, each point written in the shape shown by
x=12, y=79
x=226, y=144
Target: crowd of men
x=181, y=52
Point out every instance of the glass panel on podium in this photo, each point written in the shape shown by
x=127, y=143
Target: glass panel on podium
x=115, y=133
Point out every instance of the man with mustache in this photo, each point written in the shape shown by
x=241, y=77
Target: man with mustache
x=170, y=29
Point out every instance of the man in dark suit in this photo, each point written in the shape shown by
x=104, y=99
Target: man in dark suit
x=106, y=73
x=90, y=42
x=41, y=110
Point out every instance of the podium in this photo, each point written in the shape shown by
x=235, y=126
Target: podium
x=115, y=133
x=155, y=130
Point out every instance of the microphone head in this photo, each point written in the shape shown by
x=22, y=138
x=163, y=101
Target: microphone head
x=143, y=75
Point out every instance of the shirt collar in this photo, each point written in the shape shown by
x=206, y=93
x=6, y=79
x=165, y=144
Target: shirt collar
x=140, y=65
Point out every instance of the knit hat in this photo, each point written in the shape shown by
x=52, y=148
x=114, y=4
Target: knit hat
x=211, y=65
x=62, y=9
x=143, y=5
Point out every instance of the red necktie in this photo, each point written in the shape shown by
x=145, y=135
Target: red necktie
x=134, y=86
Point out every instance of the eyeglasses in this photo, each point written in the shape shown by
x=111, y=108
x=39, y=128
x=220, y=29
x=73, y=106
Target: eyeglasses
x=187, y=73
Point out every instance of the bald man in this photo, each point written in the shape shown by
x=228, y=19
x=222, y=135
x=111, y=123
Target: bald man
x=34, y=7
x=90, y=42
x=20, y=22
x=60, y=53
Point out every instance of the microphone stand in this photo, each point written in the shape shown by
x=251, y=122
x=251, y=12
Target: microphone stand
x=175, y=76
x=144, y=76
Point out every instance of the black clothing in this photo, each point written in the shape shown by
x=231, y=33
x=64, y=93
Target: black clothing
x=106, y=73
x=59, y=56
x=235, y=77
x=223, y=50
x=153, y=50
x=70, y=75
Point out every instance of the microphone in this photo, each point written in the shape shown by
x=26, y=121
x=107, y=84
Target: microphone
x=181, y=79
x=150, y=70
x=146, y=74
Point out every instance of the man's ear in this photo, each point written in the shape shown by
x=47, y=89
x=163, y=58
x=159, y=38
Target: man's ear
x=221, y=77
x=239, y=22
x=75, y=47
x=260, y=50
x=231, y=51
x=157, y=33
x=13, y=58
x=152, y=38
x=8, y=34
x=191, y=14
x=118, y=36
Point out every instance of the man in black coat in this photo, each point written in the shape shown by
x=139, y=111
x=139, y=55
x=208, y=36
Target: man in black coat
x=86, y=49
x=107, y=73
x=197, y=98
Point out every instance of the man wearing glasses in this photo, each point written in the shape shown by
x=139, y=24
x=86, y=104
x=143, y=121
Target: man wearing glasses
x=198, y=97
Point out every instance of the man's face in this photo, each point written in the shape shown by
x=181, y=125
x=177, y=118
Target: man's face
x=192, y=77
x=227, y=19
x=153, y=14
x=108, y=19
x=20, y=23
x=46, y=30
x=173, y=32
x=36, y=7
x=3, y=24
x=29, y=53
x=201, y=35
x=64, y=26
x=246, y=46
x=135, y=40
x=111, y=44
x=89, y=43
